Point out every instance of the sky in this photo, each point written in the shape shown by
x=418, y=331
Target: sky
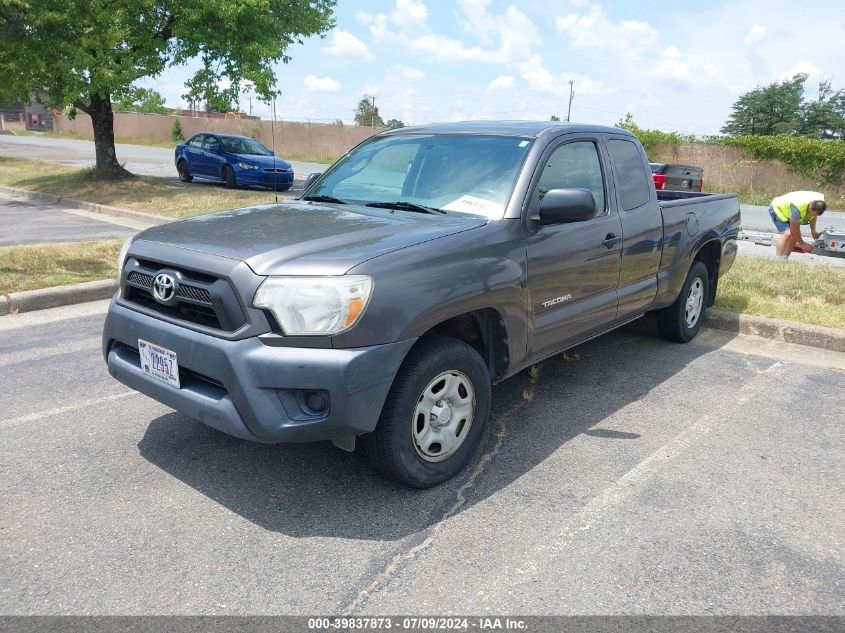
x=674, y=66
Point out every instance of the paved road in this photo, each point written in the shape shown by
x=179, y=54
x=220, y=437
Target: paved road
x=629, y=476
x=139, y=159
x=32, y=222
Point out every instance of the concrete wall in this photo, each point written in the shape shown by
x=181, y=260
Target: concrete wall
x=732, y=169
x=300, y=139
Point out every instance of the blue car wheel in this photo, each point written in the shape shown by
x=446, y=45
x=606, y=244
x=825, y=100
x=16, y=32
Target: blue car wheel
x=184, y=172
x=229, y=177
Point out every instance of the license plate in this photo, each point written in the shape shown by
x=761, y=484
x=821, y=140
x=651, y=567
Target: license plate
x=159, y=363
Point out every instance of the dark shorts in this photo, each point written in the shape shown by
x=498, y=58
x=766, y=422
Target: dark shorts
x=779, y=224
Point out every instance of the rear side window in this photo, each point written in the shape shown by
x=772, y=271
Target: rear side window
x=631, y=176
x=574, y=166
x=197, y=140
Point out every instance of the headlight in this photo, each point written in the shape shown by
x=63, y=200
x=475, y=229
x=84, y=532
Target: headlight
x=247, y=166
x=121, y=256
x=315, y=305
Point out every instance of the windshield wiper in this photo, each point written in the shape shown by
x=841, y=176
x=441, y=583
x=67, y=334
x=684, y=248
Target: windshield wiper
x=324, y=199
x=405, y=206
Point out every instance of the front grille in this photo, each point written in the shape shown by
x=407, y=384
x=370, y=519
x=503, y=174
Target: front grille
x=140, y=279
x=200, y=295
x=277, y=170
x=200, y=299
x=201, y=315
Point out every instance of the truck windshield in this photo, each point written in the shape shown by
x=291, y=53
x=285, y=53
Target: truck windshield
x=454, y=172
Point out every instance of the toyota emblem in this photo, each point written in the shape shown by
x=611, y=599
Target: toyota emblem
x=164, y=288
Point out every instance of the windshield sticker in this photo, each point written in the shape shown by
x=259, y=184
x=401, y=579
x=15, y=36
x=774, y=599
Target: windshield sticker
x=523, y=143
x=471, y=204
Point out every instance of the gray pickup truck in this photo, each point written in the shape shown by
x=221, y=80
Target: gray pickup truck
x=421, y=268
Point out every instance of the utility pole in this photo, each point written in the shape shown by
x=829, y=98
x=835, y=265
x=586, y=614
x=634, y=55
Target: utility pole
x=571, y=94
x=373, y=114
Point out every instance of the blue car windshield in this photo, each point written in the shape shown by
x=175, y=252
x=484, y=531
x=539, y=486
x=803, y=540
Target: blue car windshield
x=467, y=173
x=235, y=145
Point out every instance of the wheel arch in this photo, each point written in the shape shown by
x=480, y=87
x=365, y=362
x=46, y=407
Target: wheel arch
x=485, y=331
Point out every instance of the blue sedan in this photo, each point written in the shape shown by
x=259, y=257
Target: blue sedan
x=233, y=160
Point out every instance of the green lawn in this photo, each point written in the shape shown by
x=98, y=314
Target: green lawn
x=46, y=265
x=784, y=290
x=169, y=198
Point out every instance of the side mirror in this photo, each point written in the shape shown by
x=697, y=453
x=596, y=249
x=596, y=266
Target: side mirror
x=560, y=206
x=312, y=178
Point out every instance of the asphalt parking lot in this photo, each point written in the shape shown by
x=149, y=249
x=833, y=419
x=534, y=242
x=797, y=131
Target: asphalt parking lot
x=629, y=475
x=32, y=222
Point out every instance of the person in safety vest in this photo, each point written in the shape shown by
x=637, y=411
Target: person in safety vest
x=789, y=212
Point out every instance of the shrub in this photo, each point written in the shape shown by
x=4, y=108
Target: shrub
x=823, y=160
x=176, y=131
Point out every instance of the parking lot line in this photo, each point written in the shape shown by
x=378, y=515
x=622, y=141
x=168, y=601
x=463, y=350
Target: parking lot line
x=42, y=415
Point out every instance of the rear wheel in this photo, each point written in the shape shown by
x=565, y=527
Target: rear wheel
x=184, y=172
x=434, y=416
x=229, y=177
x=682, y=320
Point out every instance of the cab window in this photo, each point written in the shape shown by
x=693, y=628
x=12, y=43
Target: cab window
x=632, y=178
x=574, y=166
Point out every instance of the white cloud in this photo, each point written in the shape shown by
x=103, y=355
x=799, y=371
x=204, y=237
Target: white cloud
x=409, y=16
x=670, y=64
x=407, y=73
x=541, y=79
x=321, y=84
x=755, y=34
x=802, y=66
x=502, y=82
x=346, y=45
x=595, y=31
x=504, y=38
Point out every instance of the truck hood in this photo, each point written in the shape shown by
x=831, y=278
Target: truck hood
x=306, y=238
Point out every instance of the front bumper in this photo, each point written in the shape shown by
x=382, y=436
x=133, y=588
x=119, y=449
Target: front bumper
x=251, y=390
x=260, y=178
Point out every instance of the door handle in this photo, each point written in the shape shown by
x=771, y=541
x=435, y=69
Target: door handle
x=610, y=240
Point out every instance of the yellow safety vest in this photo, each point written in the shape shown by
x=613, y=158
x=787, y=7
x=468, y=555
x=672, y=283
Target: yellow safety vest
x=800, y=200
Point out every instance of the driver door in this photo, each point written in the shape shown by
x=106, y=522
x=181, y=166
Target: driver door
x=573, y=268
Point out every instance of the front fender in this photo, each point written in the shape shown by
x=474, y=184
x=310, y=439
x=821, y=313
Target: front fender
x=421, y=286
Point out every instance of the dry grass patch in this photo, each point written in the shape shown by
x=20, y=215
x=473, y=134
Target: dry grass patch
x=784, y=290
x=31, y=267
x=160, y=196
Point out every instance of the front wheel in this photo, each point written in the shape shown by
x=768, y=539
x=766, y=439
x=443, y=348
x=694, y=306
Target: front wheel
x=682, y=320
x=184, y=172
x=229, y=177
x=434, y=416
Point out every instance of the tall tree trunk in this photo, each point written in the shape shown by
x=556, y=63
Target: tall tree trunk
x=102, y=119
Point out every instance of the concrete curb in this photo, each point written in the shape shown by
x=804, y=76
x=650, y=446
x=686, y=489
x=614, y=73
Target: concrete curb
x=93, y=207
x=787, y=331
x=31, y=300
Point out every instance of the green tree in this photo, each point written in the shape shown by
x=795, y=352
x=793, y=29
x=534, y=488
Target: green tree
x=141, y=100
x=768, y=110
x=824, y=118
x=366, y=114
x=84, y=53
x=554, y=117
x=176, y=131
x=204, y=91
x=395, y=124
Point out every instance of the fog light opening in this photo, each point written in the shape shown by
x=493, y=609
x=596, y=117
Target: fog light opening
x=316, y=402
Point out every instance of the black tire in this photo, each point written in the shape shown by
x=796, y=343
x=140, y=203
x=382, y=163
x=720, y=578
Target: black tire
x=672, y=321
x=392, y=447
x=184, y=172
x=229, y=177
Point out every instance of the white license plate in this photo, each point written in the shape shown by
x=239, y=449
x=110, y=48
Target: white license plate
x=159, y=362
